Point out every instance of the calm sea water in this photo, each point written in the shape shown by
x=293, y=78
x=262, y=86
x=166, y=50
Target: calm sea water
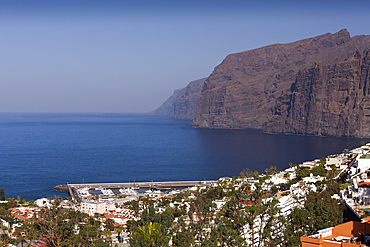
x=39, y=151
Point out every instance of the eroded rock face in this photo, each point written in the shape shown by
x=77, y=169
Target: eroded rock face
x=185, y=105
x=182, y=104
x=166, y=109
x=248, y=89
x=329, y=101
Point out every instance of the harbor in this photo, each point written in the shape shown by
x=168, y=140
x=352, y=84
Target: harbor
x=78, y=190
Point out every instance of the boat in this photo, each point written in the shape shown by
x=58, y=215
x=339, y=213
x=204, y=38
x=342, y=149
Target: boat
x=153, y=192
x=83, y=192
x=128, y=192
x=107, y=192
x=174, y=192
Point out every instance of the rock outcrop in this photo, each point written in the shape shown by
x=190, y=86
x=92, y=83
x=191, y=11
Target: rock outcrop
x=61, y=187
x=328, y=100
x=249, y=89
x=182, y=104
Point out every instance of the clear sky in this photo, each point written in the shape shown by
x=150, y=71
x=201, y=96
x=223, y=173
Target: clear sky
x=129, y=56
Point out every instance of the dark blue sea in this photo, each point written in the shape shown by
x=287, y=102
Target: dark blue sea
x=39, y=151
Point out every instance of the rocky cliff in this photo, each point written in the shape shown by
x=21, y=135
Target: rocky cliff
x=248, y=89
x=166, y=109
x=185, y=105
x=329, y=100
x=182, y=104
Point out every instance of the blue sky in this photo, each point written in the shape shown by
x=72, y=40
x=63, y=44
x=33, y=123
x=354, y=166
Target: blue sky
x=129, y=56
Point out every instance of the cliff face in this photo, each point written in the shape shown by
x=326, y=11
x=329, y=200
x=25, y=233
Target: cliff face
x=250, y=88
x=329, y=101
x=182, y=104
x=166, y=109
x=185, y=105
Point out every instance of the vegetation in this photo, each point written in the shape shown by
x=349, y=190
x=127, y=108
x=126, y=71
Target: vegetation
x=2, y=194
x=56, y=226
x=151, y=235
x=151, y=227
x=320, y=211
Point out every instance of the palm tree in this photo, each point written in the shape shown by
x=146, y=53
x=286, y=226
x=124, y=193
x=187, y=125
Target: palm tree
x=120, y=229
x=107, y=233
x=4, y=238
x=151, y=234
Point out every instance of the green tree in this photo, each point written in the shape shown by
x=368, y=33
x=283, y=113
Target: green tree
x=319, y=171
x=272, y=170
x=320, y=211
x=64, y=227
x=243, y=212
x=231, y=220
x=262, y=217
x=120, y=229
x=183, y=236
x=333, y=168
x=303, y=172
x=323, y=161
x=26, y=232
x=109, y=224
x=151, y=235
x=2, y=194
x=134, y=205
x=107, y=233
x=4, y=239
x=149, y=215
x=204, y=208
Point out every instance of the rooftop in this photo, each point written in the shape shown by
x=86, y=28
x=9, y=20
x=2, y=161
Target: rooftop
x=347, y=234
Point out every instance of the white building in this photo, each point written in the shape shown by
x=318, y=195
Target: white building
x=362, y=162
x=338, y=160
x=312, y=179
x=43, y=202
x=4, y=223
x=91, y=207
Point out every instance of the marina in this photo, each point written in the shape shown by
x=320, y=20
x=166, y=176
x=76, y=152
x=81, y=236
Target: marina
x=129, y=189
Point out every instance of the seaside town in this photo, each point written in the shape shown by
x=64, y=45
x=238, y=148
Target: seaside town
x=324, y=202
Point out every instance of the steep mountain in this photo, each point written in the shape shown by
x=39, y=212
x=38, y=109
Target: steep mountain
x=182, y=104
x=250, y=88
x=329, y=100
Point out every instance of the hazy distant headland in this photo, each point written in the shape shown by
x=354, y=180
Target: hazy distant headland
x=316, y=86
x=182, y=104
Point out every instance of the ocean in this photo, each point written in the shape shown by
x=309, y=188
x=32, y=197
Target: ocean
x=39, y=151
